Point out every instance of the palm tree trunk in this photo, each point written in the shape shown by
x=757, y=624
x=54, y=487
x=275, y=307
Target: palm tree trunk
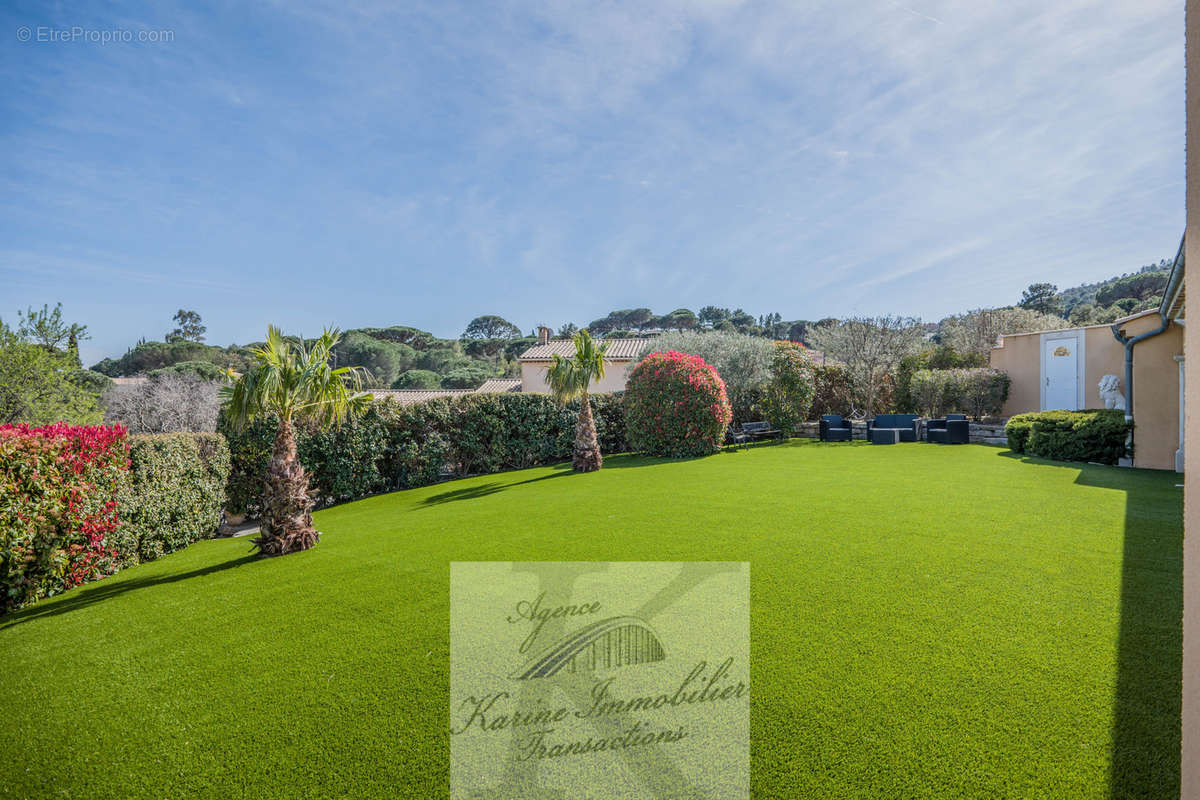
x=287, y=508
x=586, y=457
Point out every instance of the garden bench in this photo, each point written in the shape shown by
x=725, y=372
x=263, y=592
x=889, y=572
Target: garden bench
x=752, y=431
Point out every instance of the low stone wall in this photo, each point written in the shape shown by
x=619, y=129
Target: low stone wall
x=981, y=432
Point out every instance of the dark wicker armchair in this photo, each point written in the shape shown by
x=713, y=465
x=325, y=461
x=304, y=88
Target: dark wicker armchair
x=835, y=429
x=953, y=429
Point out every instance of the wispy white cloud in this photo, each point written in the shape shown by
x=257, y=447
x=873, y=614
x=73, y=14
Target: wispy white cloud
x=551, y=159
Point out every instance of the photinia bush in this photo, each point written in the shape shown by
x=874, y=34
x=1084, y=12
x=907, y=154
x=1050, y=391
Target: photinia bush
x=58, y=507
x=675, y=405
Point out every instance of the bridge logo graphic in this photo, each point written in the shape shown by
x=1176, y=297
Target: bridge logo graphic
x=606, y=644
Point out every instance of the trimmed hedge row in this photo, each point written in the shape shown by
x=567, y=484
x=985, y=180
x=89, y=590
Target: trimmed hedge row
x=79, y=503
x=979, y=391
x=174, y=495
x=1096, y=435
x=392, y=446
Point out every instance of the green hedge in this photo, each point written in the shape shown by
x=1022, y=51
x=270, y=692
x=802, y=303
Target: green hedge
x=79, y=503
x=175, y=493
x=1095, y=435
x=979, y=392
x=397, y=447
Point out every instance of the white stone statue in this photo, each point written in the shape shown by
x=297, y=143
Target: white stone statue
x=1110, y=392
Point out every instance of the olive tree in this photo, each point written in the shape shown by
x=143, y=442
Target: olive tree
x=871, y=349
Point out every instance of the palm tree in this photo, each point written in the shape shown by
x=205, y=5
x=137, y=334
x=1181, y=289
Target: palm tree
x=569, y=378
x=292, y=381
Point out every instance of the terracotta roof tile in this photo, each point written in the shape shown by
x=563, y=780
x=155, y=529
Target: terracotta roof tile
x=618, y=349
x=499, y=385
x=407, y=397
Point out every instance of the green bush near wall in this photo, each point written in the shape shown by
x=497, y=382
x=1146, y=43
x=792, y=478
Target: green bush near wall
x=979, y=391
x=1096, y=435
x=174, y=495
x=399, y=447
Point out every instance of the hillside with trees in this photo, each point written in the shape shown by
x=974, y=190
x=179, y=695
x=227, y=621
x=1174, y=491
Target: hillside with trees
x=399, y=356
x=1119, y=296
x=404, y=357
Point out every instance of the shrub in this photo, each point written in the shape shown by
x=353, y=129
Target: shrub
x=977, y=392
x=742, y=361
x=1095, y=435
x=418, y=379
x=394, y=446
x=675, y=405
x=940, y=357
x=204, y=370
x=468, y=376
x=984, y=392
x=168, y=402
x=1017, y=431
x=40, y=387
x=789, y=395
x=92, y=382
x=833, y=391
x=58, y=512
x=934, y=392
x=343, y=462
x=174, y=495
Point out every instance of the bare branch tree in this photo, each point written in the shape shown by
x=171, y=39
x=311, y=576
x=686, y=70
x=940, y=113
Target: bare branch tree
x=871, y=349
x=977, y=331
x=166, y=403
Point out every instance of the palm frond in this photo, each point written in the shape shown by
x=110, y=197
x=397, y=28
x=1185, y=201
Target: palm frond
x=569, y=378
x=294, y=379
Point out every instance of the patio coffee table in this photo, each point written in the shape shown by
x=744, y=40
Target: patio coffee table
x=885, y=436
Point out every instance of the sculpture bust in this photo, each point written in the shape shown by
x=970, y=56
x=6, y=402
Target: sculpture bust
x=1110, y=392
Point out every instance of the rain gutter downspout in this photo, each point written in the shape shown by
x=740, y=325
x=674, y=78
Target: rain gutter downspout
x=1129, y=343
x=1172, y=283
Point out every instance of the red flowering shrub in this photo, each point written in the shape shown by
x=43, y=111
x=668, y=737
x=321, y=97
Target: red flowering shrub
x=675, y=405
x=58, y=507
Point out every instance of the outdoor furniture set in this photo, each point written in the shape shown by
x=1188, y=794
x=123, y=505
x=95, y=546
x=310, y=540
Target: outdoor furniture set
x=896, y=428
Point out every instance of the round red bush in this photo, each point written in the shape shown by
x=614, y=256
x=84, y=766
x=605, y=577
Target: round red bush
x=675, y=405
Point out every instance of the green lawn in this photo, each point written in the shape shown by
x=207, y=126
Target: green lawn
x=926, y=621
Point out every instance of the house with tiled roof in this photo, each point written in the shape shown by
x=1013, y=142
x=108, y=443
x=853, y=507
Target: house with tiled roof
x=619, y=359
x=406, y=397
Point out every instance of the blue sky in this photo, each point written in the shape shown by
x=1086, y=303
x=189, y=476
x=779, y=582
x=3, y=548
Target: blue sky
x=412, y=163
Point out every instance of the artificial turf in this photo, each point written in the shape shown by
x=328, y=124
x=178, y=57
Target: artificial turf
x=925, y=621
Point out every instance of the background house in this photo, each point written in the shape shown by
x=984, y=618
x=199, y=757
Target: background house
x=1062, y=369
x=619, y=359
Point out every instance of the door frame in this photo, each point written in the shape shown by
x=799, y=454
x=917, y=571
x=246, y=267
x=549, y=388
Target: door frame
x=1079, y=338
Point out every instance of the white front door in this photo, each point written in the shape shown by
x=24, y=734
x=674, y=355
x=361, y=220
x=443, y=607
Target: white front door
x=1060, y=374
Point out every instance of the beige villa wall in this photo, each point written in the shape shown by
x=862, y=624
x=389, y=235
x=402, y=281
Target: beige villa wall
x=1155, y=380
x=1156, y=395
x=533, y=377
x=1020, y=357
x=1191, y=496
